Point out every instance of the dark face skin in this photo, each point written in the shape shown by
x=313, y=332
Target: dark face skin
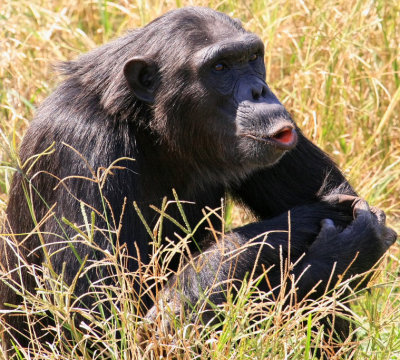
x=230, y=113
x=235, y=72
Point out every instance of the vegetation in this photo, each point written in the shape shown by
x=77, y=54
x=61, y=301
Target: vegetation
x=334, y=64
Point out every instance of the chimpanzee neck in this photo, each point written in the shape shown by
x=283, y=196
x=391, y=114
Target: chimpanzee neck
x=161, y=170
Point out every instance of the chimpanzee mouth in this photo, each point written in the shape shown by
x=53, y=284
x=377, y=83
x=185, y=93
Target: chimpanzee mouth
x=285, y=138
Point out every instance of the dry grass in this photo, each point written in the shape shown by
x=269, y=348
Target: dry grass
x=334, y=64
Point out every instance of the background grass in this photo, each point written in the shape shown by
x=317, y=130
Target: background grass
x=335, y=66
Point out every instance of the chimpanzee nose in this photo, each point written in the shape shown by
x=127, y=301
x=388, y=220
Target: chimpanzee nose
x=254, y=90
x=259, y=91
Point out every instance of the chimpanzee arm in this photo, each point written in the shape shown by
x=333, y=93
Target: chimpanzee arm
x=302, y=176
x=264, y=245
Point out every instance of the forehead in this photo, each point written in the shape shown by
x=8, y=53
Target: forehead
x=193, y=35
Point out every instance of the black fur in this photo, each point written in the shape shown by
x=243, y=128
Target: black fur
x=157, y=96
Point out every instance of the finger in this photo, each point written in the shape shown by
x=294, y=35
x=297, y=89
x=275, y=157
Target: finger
x=363, y=219
x=361, y=208
x=328, y=228
x=344, y=202
x=327, y=224
x=390, y=237
x=340, y=199
x=327, y=233
x=380, y=215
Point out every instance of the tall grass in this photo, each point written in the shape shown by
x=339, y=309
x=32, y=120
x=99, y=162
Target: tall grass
x=335, y=66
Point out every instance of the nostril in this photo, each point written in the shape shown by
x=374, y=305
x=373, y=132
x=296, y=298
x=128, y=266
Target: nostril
x=255, y=94
x=264, y=91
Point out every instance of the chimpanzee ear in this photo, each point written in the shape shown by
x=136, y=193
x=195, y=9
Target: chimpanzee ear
x=142, y=76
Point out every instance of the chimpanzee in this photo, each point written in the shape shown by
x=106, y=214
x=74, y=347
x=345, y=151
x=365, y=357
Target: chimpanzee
x=185, y=97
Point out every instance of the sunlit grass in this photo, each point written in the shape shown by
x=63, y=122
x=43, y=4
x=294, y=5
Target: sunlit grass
x=335, y=66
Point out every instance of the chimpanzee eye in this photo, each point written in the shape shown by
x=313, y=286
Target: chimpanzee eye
x=253, y=57
x=219, y=67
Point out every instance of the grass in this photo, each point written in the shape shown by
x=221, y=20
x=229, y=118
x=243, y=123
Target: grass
x=335, y=66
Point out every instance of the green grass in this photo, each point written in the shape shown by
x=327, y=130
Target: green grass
x=335, y=66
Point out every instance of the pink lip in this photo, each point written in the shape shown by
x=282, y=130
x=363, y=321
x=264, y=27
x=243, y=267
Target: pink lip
x=285, y=138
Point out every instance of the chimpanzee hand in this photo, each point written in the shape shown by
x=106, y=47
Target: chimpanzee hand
x=356, y=248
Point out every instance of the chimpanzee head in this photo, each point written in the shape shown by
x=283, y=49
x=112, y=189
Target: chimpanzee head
x=203, y=76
